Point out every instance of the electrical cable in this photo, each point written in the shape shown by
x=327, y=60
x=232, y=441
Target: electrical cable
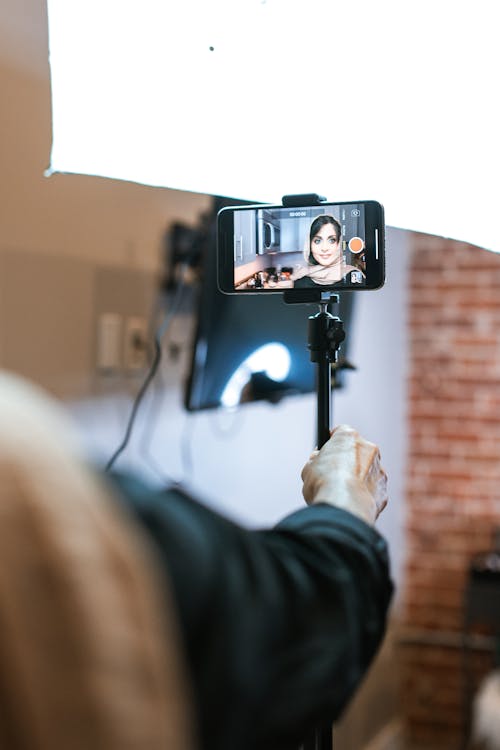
x=152, y=370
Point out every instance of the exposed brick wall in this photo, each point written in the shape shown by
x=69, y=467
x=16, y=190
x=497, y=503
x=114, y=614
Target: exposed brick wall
x=453, y=486
x=433, y=697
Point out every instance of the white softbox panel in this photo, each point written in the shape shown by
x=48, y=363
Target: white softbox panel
x=254, y=99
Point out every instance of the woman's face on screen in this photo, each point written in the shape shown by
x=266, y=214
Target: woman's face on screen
x=325, y=246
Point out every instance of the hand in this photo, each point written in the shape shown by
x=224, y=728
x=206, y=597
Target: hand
x=347, y=473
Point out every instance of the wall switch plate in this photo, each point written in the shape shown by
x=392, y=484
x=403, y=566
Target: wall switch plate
x=109, y=342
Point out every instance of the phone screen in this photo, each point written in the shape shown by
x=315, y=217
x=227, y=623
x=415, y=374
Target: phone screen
x=276, y=248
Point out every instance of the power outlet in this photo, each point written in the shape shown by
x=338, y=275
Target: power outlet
x=135, y=349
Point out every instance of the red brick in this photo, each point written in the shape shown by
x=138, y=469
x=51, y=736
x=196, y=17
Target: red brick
x=453, y=482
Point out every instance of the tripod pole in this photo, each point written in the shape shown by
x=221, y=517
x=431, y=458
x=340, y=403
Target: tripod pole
x=324, y=407
x=326, y=333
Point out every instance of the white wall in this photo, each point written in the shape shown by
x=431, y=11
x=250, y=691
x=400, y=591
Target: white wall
x=247, y=463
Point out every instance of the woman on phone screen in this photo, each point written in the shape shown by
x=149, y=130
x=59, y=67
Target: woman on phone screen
x=325, y=263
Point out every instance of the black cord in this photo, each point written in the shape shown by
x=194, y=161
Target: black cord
x=152, y=371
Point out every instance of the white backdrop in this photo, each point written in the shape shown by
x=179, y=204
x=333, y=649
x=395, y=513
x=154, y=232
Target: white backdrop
x=392, y=101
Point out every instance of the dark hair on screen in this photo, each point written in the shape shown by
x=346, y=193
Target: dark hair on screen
x=319, y=222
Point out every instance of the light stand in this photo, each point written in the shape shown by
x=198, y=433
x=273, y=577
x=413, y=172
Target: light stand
x=326, y=333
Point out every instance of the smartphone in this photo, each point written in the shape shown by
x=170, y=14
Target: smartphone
x=264, y=249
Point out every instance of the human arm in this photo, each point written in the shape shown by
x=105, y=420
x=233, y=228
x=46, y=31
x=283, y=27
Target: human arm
x=347, y=473
x=279, y=625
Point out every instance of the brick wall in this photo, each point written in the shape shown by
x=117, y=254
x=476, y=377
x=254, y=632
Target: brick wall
x=453, y=486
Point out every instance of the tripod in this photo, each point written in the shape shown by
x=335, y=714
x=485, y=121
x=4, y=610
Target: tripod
x=325, y=335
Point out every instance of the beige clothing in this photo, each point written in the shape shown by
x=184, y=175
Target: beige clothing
x=89, y=657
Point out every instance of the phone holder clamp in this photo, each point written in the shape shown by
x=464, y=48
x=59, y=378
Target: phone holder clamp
x=303, y=199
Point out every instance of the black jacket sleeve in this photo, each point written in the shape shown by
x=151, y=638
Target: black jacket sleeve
x=279, y=625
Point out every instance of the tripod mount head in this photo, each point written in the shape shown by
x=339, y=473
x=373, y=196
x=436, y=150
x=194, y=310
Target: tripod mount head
x=326, y=333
